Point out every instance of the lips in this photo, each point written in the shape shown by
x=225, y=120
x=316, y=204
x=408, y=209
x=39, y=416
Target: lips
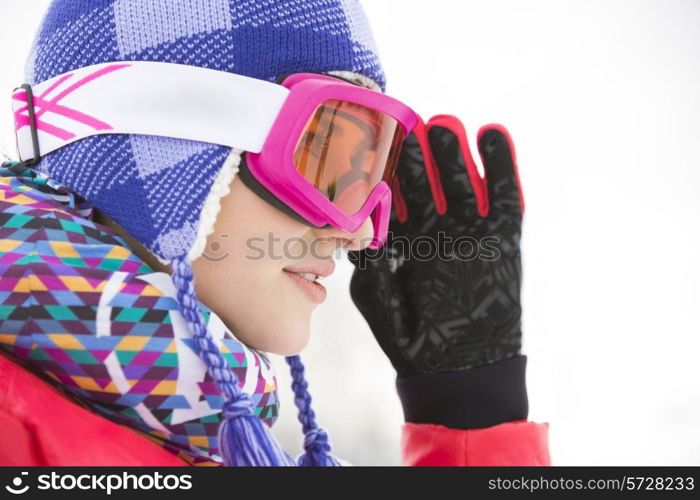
x=322, y=269
x=302, y=273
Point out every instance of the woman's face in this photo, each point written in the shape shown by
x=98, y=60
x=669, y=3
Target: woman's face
x=244, y=275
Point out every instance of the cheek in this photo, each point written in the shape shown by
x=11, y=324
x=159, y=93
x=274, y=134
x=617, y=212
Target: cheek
x=240, y=275
x=245, y=213
x=256, y=300
x=260, y=304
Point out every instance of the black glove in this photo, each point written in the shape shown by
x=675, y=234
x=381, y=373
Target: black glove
x=442, y=296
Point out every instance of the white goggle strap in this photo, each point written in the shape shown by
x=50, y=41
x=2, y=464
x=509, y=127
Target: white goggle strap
x=149, y=98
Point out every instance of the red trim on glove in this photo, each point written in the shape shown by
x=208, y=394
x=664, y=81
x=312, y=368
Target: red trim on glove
x=453, y=124
x=431, y=168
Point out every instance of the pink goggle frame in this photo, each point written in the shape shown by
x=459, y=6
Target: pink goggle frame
x=274, y=167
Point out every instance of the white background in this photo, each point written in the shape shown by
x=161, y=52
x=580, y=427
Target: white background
x=601, y=98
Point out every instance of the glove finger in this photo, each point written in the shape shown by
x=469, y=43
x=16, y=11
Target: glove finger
x=502, y=179
x=459, y=176
x=418, y=181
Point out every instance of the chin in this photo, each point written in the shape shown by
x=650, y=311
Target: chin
x=290, y=341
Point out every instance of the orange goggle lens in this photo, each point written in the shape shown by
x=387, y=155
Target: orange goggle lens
x=347, y=150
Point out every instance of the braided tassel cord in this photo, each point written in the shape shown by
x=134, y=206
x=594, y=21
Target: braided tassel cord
x=244, y=440
x=316, y=443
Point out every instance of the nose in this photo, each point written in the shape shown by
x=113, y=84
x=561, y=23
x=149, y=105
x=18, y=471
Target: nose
x=339, y=238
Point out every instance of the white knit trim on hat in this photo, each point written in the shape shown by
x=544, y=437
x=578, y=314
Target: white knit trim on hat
x=363, y=80
x=212, y=204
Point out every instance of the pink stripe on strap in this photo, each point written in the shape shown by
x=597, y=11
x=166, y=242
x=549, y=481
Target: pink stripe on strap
x=97, y=74
x=74, y=115
x=44, y=106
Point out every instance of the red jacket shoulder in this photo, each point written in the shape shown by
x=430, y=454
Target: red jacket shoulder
x=40, y=426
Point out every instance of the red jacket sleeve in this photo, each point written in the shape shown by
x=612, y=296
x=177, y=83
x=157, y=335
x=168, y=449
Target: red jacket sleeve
x=40, y=426
x=517, y=443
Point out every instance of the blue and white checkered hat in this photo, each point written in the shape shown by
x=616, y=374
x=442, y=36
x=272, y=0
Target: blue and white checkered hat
x=165, y=192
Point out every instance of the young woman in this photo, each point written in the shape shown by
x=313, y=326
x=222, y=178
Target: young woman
x=172, y=152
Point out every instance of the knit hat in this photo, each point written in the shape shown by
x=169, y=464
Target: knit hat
x=166, y=192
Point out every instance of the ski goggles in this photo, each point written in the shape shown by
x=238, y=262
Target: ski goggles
x=318, y=147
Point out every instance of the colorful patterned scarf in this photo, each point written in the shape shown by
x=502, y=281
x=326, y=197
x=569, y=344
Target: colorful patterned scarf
x=79, y=306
